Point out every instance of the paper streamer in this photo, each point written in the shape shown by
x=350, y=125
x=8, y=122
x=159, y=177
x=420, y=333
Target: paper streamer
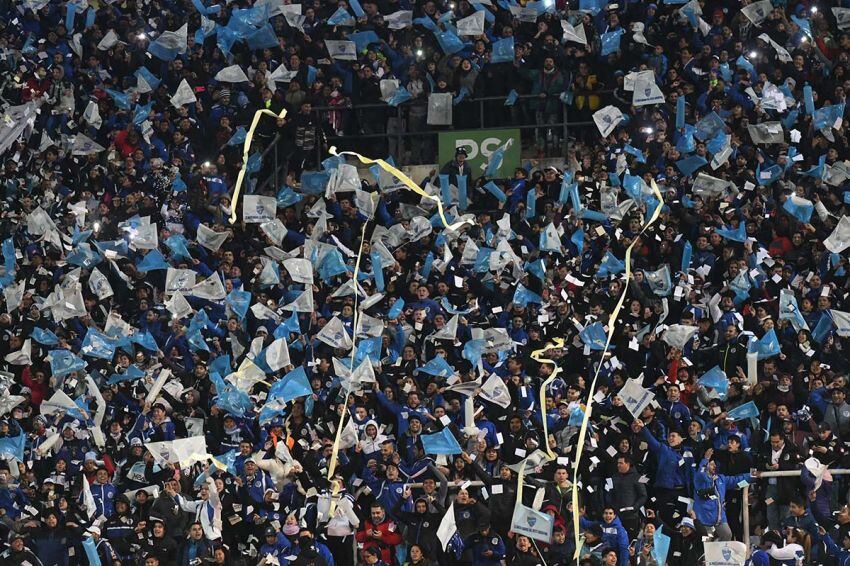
x=246, y=149
x=589, y=405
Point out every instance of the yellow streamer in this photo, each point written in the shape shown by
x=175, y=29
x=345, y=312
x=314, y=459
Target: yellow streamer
x=611, y=321
x=246, y=148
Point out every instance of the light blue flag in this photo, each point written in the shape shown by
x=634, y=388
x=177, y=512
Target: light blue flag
x=802, y=211
x=680, y=113
x=238, y=301
x=291, y=386
x=773, y=173
x=263, y=38
x=709, y=127
x=238, y=137
x=610, y=266
x=716, y=144
x=84, y=256
x=594, y=336
x=341, y=18
x=203, y=10
x=443, y=442
x=437, y=366
x=816, y=171
x=741, y=285
x=356, y=8
x=717, y=380
x=689, y=165
x=743, y=63
x=77, y=237
x=255, y=160
x=494, y=190
x=494, y=162
x=196, y=341
x=426, y=267
x=686, y=142
x=121, y=99
x=737, y=235
x=291, y=324
x=63, y=362
x=725, y=72
x=229, y=460
x=611, y=41
x=767, y=346
x=503, y=51
x=220, y=365
x=639, y=156
x=462, y=93
x=808, y=99
x=512, y=98
x=742, y=412
x=378, y=271
x=141, y=113
x=44, y=336
x=177, y=244
x=789, y=120
x=426, y=22
x=522, y=296
x=462, y=193
x=593, y=215
x=536, y=268
x=362, y=39
x=576, y=417
x=14, y=446
x=90, y=547
x=592, y=6
x=145, y=340
x=287, y=197
x=29, y=45
x=314, y=182
x=805, y=25
x=97, y=345
x=91, y=14
x=660, y=546
x=531, y=204
x=449, y=308
x=332, y=265
x=233, y=401
x=472, y=351
x=132, y=373
x=823, y=328
x=396, y=309
x=577, y=239
x=633, y=185
x=400, y=96
x=70, y=15
x=824, y=118
x=687, y=202
x=687, y=251
x=152, y=261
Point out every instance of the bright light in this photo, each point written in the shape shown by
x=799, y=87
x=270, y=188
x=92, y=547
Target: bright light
x=452, y=5
x=814, y=10
x=647, y=130
x=207, y=164
x=419, y=53
x=804, y=39
x=142, y=36
x=753, y=54
x=96, y=226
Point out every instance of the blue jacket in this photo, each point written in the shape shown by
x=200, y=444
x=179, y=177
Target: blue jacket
x=613, y=535
x=104, y=498
x=481, y=544
x=711, y=510
x=388, y=493
x=842, y=555
x=674, y=469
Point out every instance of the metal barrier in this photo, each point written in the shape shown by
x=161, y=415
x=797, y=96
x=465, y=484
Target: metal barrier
x=396, y=130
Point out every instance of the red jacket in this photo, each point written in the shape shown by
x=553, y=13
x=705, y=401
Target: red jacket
x=390, y=537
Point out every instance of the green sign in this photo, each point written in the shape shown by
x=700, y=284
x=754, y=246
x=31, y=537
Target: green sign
x=480, y=145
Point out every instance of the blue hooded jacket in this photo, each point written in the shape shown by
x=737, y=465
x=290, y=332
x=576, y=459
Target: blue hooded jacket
x=710, y=494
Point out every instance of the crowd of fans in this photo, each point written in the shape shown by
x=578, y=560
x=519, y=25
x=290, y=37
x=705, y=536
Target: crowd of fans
x=345, y=376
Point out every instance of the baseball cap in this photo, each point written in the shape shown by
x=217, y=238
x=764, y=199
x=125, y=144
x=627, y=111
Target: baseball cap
x=687, y=522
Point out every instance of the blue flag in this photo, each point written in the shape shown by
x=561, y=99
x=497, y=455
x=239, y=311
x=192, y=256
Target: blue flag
x=687, y=251
x=494, y=190
x=743, y=412
x=44, y=336
x=14, y=446
x=610, y=266
x=737, y=235
x=522, y=296
x=767, y=346
x=680, y=113
x=594, y=336
x=503, y=51
x=437, y=366
x=717, y=380
x=660, y=546
x=443, y=442
x=801, y=209
x=395, y=310
x=63, y=362
x=512, y=98
x=152, y=261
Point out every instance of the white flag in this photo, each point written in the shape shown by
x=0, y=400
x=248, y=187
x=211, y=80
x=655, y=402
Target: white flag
x=275, y=230
x=59, y=402
x=210, y=239
x=282, y=75
x=400, y=19
x=22, y=357
x=767, y=132
x=574, y=33
x=757, y=12
x=210, y=288
x=268, y=276
x=84, y=145
x=677, y=335
x=727, y=553
x=14, y=294
x=299, y=269
x=175, y=39
x=440, y=109
x=842, y=17
x=448, y=527
x=257, y=209
x=303, y=303
x=364, y=373
x=92, y=115
x=646, y=91
x=841, y=320
x=532, y=523
x=88, y=499
x=607, y=119
x=449, y=331
x=839, y=240
x=178, y=306
x=99, y=285
x=144, y=237
x=334, y=334
x=277, y=354
x=341, y=50
x=707, y=186
x=108, y=42
x=369, y=325
x=635, y=397
x=231, y=74
x=471, y=25
x=495, y=391
x=179, y=280
x=183, y=95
